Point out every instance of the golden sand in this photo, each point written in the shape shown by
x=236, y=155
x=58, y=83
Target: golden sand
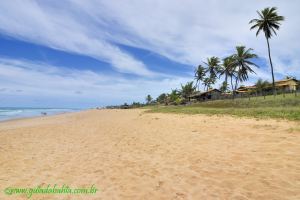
x=128, y=154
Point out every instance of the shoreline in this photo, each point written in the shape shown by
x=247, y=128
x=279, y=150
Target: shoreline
x=37, y=116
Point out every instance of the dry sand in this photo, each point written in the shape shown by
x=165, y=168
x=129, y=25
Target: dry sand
x=131, y=155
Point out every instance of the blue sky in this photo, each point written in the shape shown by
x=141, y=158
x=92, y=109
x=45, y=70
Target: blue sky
x=94, y=53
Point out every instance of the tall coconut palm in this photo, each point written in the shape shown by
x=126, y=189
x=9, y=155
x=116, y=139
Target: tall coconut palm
x=199, y=75
x=233, y=75
x=213, y=66
x=226, y=69
x=242, y=63
x=206, y=83
x=268, y=22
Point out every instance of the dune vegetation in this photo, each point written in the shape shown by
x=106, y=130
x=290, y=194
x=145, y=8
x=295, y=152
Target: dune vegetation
x=287, y=107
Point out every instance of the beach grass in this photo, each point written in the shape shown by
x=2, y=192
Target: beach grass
x=281, y=107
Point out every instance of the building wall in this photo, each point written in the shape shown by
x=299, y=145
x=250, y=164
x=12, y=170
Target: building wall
x=215, y=95
x=291, y=86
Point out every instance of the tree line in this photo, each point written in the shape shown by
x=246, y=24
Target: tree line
x=235, y=68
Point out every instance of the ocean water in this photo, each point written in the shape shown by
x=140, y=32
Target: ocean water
x=15, y=113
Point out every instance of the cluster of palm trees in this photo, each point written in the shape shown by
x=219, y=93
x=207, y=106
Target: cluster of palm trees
x=238, y=66
x=177, y=97
x=235, y=67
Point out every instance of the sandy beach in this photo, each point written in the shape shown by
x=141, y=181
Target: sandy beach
x=129, y=154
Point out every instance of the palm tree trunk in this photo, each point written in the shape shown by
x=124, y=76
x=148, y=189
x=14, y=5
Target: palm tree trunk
x=235, y=87
x=226, y=78
x=273, y=80
x=236, y=83
x=232, y=87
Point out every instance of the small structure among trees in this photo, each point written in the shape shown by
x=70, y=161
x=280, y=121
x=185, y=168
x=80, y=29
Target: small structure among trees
x=208, y=95
x=285, y=85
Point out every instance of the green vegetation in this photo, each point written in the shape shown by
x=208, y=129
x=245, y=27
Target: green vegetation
x=235, y=70
x=287, y=107
x=261, y=85
x=187, y=89
x=213, y=69
x=199, y=75
x=148, y=99
x=236, y=66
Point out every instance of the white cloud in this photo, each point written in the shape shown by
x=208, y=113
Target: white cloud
x=183, y=31
x=190, y=31
x=51, y=26
x=57, y=85
x=186, y=32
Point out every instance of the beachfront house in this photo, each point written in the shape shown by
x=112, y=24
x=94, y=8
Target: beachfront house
x=208, y=95
x=245, y=89
x=285, y=85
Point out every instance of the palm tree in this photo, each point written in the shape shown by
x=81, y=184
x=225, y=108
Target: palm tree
x=261, y=85
x=226, y=69
x=268, y=22
x=148, y=99
x=208, y=81
x=224, y=87
x=187, y=89
x=213, y=66
x=173, y=96
x=161, y=98
x=290, y=77
x=233, y=75
x=242, y=63
x=199, y=75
